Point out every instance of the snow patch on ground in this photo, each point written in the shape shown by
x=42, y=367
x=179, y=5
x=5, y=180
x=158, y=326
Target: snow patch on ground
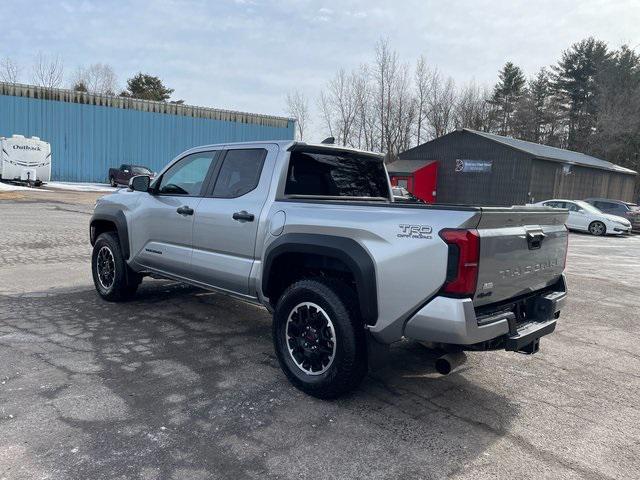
x=81, y=187
x=10, y=187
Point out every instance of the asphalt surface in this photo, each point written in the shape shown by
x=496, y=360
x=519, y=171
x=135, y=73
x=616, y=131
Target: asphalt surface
x=183, y=384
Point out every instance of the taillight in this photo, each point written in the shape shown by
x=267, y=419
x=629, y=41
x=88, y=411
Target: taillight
x=462, y=266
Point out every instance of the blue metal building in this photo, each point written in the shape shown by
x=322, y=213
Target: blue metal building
x=89, y=133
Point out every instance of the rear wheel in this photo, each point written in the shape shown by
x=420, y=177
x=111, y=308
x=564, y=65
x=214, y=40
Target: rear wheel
x=113, y=278
x=597, y=228
x=319, y=338
x=112, y=181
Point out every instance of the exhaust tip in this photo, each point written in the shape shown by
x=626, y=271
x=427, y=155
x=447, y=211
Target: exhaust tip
x=447, y=363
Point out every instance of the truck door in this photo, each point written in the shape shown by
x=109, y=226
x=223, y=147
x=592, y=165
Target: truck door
x=226, y=220
x=164, y=226
x=122, y=175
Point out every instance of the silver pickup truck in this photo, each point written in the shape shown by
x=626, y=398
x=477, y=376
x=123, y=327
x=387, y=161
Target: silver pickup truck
x=312, y=233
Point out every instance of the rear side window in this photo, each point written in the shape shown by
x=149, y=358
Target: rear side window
x=620, y=208
x=240, y=172
x=336, y=175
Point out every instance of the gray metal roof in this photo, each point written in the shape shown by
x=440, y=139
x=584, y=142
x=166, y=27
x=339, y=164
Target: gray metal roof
x=546, y=152
x=407, y=166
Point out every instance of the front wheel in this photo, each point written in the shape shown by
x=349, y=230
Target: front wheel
x=597, y=228
x=319, y=338
x=113, y=278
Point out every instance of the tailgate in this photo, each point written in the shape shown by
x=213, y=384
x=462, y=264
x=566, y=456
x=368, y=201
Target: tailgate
x=522, y=249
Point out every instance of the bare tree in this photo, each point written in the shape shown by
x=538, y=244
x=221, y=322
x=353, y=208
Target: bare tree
x=96, y=78
x=440, y=104
x=366, y=125
x=326, y=112
x=423, y=81
x=9, y=71
x=298, y=108
x=384, y=75
x=48, y=72
x=344, y=104
x=403, y=113
x=394, y=100
x=472, y=108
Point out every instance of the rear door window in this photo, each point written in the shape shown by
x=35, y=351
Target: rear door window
x=336, y=175
x=240, y=172
x=604, y=206
x=619, y=208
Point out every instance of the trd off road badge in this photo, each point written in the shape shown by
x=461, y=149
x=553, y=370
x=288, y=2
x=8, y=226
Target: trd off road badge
x=415, y=231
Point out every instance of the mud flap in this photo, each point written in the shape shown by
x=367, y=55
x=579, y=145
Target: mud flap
x=377, y=353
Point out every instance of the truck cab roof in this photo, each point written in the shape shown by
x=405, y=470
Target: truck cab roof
x=290, y=145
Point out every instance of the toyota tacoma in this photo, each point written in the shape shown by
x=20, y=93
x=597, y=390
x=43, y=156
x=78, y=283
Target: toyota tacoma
x=312, y=232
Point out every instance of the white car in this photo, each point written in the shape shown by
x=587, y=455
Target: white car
x=585, y=217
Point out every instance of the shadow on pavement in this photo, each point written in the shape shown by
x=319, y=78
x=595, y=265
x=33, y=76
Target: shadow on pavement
x=181, y=383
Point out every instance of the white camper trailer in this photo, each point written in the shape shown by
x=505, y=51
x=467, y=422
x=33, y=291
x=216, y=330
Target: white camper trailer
x=25, y=160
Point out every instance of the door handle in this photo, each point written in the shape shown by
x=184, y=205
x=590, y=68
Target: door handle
x=185, y=210
x=243, y=216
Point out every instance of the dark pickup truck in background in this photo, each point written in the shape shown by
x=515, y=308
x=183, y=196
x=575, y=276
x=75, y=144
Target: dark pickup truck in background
x=121, y=175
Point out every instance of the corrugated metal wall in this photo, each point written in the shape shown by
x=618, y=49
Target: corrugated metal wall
x=87, y=139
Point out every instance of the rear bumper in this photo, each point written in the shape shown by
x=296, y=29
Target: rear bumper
x=454, y=321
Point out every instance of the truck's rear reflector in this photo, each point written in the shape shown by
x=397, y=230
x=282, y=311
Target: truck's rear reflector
x=462, y=267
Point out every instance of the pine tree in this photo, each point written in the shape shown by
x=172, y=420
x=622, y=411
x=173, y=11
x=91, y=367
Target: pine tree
x=533, y=114
x=147, y=87
x=575, y=82
x=80, y=86
x=506, y=94
x=617, y=136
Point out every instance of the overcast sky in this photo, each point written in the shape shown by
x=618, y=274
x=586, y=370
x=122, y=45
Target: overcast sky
x=247, y=54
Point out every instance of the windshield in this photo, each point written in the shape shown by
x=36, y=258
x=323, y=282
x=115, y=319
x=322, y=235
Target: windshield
x=141, y=170
x=587, y=206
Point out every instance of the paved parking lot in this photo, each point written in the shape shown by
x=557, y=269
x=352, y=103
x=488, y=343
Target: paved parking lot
x=181, y=383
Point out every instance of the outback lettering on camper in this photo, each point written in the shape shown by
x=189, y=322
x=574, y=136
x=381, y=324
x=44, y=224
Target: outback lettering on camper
x=26, y=147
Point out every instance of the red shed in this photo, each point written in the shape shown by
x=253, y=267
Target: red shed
x=420, y=177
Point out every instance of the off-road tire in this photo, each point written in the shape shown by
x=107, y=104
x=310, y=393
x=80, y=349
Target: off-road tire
x=125, y=281
x=597, y=228
x=349, y=364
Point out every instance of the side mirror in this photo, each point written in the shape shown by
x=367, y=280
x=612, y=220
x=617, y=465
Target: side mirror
x=139, y=183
